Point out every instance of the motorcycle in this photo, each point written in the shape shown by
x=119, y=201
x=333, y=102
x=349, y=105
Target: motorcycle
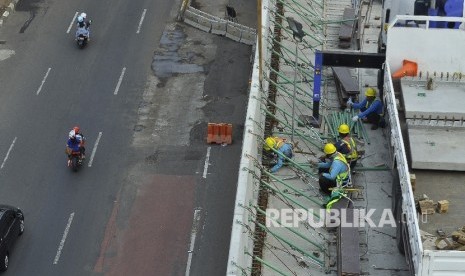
x=82, y=35
x=75, y=161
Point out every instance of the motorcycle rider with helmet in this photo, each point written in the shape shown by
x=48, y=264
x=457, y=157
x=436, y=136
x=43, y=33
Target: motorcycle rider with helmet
x=82, y=22
x=75, y=143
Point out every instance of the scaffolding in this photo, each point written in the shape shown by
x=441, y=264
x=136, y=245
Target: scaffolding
x=286, y=104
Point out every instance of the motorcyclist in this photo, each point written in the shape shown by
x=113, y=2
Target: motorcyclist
x=83, y=24
x=82, y=21
x=76, y=142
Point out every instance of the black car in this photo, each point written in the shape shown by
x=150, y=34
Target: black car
x=11, y=226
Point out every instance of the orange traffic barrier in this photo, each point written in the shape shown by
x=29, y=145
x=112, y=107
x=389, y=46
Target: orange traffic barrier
x=219, y=133
x=409, y=68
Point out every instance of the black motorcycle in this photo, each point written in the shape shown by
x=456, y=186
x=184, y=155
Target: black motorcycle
x=82, y=37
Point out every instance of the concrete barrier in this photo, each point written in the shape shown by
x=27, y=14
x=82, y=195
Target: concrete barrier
x=241, y=244
x=248, y=36
x=204, y=24
x=190, y=18
x=216, y=25
x=247, y=190
x=219, y=27
x=233, y=32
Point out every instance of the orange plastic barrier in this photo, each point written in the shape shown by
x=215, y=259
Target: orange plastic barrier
x=219, y=133
x=409, y=68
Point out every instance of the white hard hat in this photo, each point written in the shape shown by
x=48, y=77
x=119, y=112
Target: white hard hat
x=80, y=19
x=72, y=134
x=84, y=15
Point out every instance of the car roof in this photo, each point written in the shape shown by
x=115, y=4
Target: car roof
x=5, y=207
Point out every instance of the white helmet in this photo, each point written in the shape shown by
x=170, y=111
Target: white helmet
x=72, y=134
x=80, y=19
x=83, y=15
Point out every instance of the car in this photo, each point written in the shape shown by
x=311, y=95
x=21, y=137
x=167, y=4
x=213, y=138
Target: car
x=11, y=227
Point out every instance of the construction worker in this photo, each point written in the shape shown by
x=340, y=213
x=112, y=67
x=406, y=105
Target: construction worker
x=282, y=148
x=371, y=109
x=335, y=172
x=346, y=145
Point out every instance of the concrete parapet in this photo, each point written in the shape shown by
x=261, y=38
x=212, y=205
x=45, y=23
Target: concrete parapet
x=233, y=32
x=219, y=27
x=242, y=243
x=204, y=24
x=190, y=18
x=248, y=36
x=216, y=25
x=197, y=21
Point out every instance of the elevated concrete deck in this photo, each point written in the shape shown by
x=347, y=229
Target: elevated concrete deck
x=431, y=146
x=437, y=148
x=444, y=101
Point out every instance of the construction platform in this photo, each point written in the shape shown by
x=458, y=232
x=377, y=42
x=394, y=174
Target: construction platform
x=435, y=123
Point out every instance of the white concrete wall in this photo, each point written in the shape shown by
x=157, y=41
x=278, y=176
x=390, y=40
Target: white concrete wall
x=435, y=50
x=247, y=188
x=397, y=141
x=445, y=262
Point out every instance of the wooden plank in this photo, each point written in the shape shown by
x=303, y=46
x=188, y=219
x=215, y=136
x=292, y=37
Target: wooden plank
x=347, y=27
x=346, y=86
x=345, y=78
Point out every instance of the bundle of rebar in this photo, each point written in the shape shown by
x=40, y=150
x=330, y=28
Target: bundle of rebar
x=357, y=129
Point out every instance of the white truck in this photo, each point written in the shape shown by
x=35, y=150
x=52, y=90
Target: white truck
x=425, y=110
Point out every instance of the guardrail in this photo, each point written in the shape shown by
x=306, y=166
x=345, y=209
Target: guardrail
x=404, y=174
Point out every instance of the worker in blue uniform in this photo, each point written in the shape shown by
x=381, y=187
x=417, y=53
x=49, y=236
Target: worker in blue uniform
x=334, y=172
x=281, y=147
x=371, y=109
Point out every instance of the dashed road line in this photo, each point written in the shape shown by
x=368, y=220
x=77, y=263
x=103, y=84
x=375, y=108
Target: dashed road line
x=72, y=23
x=94, y=149
x=63, y=239
x=8, y=153
x=120, y=80
x=207, y=162
x=141, y=20
x=195, y=227
x=43, y=81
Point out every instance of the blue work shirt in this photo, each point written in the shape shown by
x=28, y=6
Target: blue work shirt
x=376, y=107
x=336, y=167
x=284, y=150
x=73, y=144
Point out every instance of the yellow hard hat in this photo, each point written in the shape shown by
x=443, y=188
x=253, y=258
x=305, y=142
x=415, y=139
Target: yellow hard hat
x=329, y=149
x=344, y=129
x=269, y=143
x=370, y=92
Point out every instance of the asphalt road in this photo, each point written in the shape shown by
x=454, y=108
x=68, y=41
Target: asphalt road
x=142, y=91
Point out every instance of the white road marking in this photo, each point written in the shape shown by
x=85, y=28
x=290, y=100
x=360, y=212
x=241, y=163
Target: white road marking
x=63, y=239
x=72, y=23
x=8, y=153
x=43, y=81
x=207, y=162
x=94, y=149
x=141, y=20
x=120, y=80
x=194, y=230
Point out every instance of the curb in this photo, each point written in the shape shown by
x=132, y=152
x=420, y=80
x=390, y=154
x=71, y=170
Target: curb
x=9, y=9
